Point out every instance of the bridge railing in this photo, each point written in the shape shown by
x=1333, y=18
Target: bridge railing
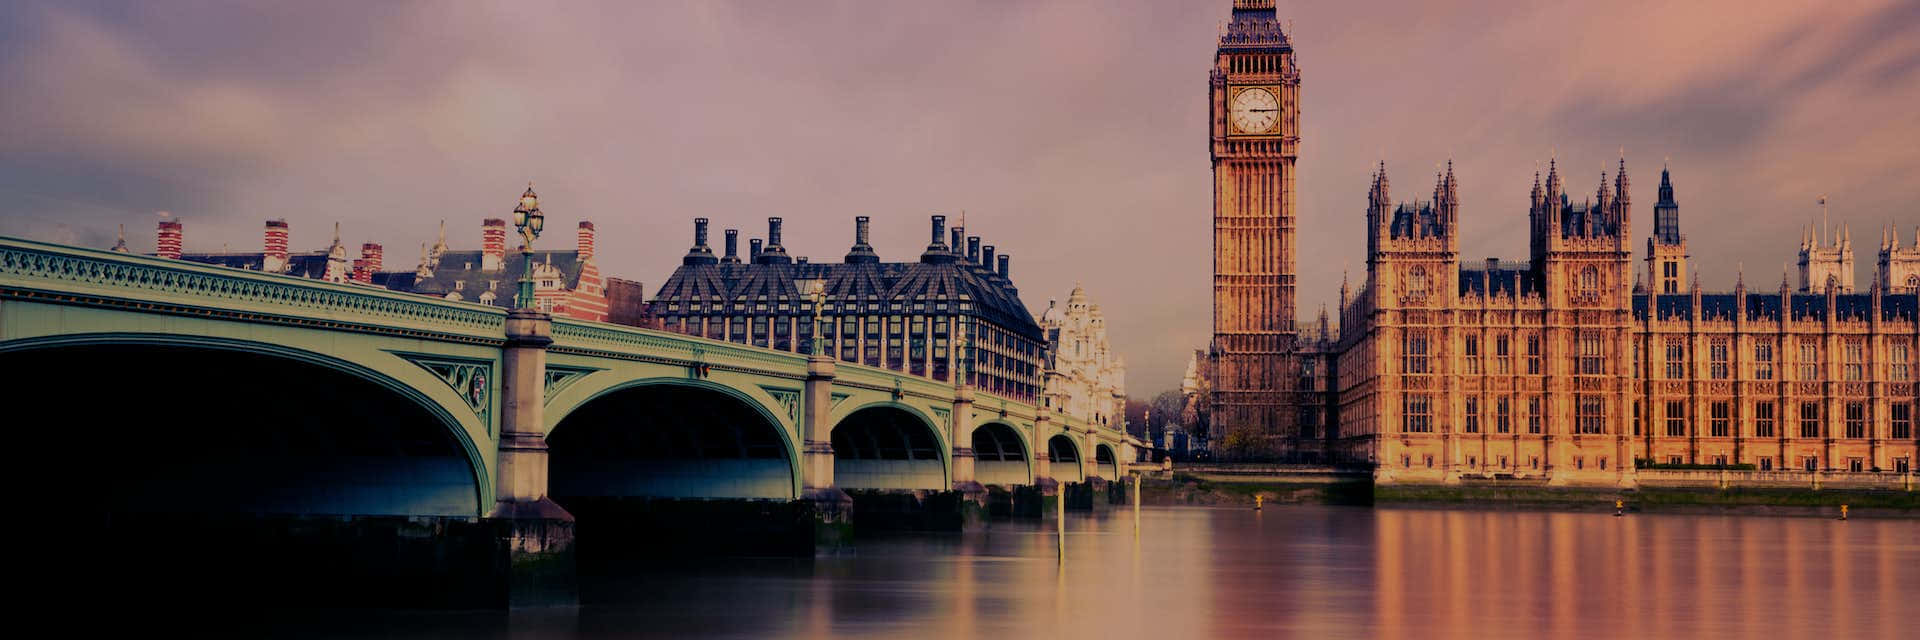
x=677, y=348
x=31, y=270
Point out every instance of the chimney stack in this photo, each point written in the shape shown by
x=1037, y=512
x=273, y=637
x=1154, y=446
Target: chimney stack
x=937, y=252
x=774, y=253
x=973, y=249
x=862, y=251
x=700, y=253
x=168, y=245
x=369, y=263
x=958, y=233
x=584, y=241
x=493, y=244
x=733, y=247
x=753, y=250
x=986, y=256
x=1004, y=259
x=274, y=258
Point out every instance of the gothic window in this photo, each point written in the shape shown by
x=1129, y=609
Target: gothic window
x=1902, y=420
x=1533, y=354
x=1719, y=419
x=1913, y=284
x=1676, y=418
x=1590, y=280
x=1473, y=415
x=1856, y=415
x=1533, y=415
x=1590, y=414
x=1676, y=358
x=1809, y=419
x=1897, y=354
x=1763, y=361
x=1418, y=408
x=1470, y=349
x=1502, y=354
x=1638, y=417
x=1502, y=415
x=1809, y=360
x=1855, y=352
x=1415, y=347
x=1763, y=419
x=1592, y=358
x=1717, y=359
x=1417, y=283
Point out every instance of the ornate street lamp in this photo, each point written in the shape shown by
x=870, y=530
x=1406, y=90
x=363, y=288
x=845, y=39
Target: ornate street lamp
x=815, y=289
x=529, y=220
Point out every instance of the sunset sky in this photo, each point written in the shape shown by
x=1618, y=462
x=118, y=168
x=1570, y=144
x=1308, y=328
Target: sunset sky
x=1071, y=133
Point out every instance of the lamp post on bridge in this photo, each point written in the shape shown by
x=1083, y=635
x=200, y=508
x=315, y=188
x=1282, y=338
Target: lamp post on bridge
x=529, y=220
x=815, y=289
x=539, y=532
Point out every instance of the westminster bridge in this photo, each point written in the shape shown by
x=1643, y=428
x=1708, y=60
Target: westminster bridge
x=169, y=387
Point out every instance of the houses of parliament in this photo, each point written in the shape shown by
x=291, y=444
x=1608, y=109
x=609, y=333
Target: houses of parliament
x=1578, y=363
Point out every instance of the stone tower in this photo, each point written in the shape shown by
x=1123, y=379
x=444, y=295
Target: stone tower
x=1898, y=270
x=1666, y=248
x=1255, y=138
x=1826, y=258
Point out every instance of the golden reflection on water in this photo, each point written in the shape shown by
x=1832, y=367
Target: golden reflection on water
x=1287, y=571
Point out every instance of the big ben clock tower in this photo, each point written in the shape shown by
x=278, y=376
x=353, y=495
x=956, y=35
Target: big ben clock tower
x=1255, y=139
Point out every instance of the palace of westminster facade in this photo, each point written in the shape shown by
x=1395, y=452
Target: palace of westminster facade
x=1566, y=365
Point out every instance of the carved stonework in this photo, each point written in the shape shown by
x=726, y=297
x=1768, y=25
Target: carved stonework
x=1807, y=388
x=1853, y=388
x=941, y=419
x=472, y=379
x=560, y=377
x=789, y=400
x=1720, y=388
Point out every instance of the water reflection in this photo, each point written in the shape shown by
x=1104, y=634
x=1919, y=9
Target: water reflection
x=1282, y=572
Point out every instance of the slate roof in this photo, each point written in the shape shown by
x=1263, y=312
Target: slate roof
x=310, y=264
x=1765, y=306
x=1418, y=216
x=935, y=286
x=460, y=271
x=1476, y=278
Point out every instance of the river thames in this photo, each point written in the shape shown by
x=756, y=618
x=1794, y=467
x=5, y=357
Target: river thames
x=1288, y=571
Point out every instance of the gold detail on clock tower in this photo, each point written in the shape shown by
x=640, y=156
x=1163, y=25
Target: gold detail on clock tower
x=1255, y=140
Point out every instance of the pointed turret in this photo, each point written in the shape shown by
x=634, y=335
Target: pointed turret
x=120, y=244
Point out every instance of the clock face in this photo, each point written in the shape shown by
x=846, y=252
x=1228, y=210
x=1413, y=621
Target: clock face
x=1253, y=110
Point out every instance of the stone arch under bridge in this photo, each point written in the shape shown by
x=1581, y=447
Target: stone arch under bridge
x=169, y=423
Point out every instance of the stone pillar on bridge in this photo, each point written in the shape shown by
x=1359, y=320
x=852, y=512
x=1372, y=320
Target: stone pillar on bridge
x=1045, y=488
x=973, y=495
x=833, y=508
x=538, y=533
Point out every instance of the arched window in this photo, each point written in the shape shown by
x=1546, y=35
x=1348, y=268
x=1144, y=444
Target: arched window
x=1417, y=283
x=1590, y=279
x=1913, y=284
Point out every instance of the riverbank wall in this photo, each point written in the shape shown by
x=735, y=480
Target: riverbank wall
x=1663, y=491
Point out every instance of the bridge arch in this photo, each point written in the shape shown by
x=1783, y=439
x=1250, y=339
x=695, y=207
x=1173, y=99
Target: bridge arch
x=1000, y=455
x=670, y=438
x=1065, y=456
x=1105, y=462
x=376, y=440
x=888, y=445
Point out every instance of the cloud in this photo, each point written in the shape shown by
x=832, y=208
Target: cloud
x=1072, y=133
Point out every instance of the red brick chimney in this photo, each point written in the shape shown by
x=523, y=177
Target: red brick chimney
x=586, y=240
x=368, y=264
x=493, y=244
x=274, y=258
x=168, y=246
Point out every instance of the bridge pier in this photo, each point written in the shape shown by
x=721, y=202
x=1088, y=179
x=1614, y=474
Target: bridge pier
x=829, y=508
x=537, y=533
x=973, y=495
x=1045, y=490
